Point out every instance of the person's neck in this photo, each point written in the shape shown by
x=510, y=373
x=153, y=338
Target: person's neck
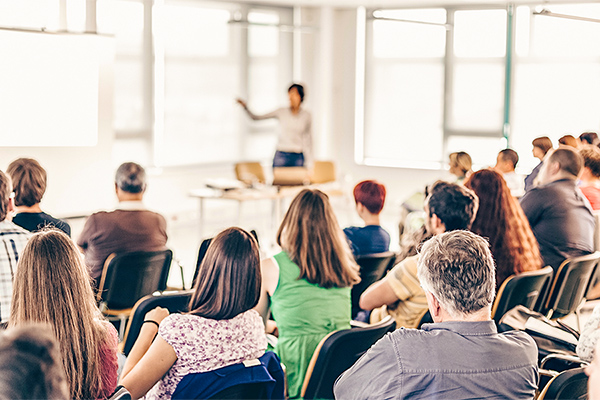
x=124, y=196
x=32, y=209
x=562, y=176
x=370, y=219
x=485, y=314
x=295, y=110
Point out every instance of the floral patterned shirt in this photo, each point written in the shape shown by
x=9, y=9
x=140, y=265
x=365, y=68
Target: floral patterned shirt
x=203, y=344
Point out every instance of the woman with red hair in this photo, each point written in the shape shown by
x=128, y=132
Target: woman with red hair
x=372, y=238
x=501, y=220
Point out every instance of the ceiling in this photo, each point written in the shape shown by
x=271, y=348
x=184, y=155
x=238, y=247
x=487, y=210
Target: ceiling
x=407, y=3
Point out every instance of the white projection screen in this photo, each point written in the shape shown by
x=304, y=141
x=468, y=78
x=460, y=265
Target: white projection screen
x=48, y=89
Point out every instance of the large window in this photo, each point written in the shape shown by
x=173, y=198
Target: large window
x=492, y=78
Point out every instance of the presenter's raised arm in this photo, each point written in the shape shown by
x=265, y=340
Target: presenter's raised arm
x=255, y=117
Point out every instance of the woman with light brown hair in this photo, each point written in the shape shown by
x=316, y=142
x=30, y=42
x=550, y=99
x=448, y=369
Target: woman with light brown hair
x=460, y=165
x=308, y=283
x=501, y=220
x=52, y=286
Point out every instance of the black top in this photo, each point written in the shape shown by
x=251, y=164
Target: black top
x=33, y=222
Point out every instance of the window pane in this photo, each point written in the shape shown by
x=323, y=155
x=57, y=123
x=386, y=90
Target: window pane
x=263, y=41
x=392, y=39
x=194, y=31
x=565, y=37
x=478, y=96
x=76, y=15
x=128, y=107
x=32, y=14
x=480, y=33
x=124, y=19
x=404, y=111
x=483, y=151
x=554, y=99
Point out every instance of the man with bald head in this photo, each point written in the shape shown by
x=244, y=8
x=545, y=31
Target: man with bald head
x=559, y=214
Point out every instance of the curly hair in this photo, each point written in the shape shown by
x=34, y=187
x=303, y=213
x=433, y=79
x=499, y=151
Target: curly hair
x=501, y=220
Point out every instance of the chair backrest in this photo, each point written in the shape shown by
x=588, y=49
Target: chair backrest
x=570, y=285
x=323, y=172
x=523, y=289
x=337, y=352
x=253, y=379
x=424, y=318
x=570, y=384
x=175, y=302
x=250, y=172
x=128, y=277
x=372, y=269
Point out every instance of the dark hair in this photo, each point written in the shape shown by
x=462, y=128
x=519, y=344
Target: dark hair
x=229, y=279
x=5, y=190
x=569, y=160
x=453, y=204
x=591, y=159
x=131, y=178
x=543, y=143
x=568, y=140
x=30, y=364
x=29, y=180
x=371, y=194
x=299, y=88
x=500, y=218
x=509, y=155
x=589, y=138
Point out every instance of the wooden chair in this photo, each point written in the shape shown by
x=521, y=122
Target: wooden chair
x=175, y=302
x=372, y=269
x=323, y=172
x=250, y=172
x=337, y=352
x=523, y=289
x=567, y=291
x=128, y=277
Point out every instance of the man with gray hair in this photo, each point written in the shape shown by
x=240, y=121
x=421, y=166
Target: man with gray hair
x=131, y=227
x=461, y=355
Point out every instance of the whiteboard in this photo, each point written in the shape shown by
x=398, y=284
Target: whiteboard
x=48, y=89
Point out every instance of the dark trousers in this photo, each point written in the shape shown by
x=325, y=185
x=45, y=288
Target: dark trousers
x=285, y=159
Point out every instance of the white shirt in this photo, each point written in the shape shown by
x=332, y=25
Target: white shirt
x=515, y=182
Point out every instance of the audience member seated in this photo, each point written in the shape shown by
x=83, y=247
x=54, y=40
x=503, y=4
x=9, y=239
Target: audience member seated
x=501, y=220
x=52, y=286
x=568, y=140
x=448, y=207
x=541, y=146
x=29, y=185
x=307, y=284
x=593, y=372
x=589, y=138
x=590, y=336
x=460, y=165
x=559, y=215
x=372, y=238
x=13, y=239
x=30, y=364
x=505, y=164
x=131, y=227
x=221, y=329
x=461, y=355
x=590, y=175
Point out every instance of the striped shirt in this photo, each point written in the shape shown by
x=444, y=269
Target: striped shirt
x=13, y=239
x=411, y=303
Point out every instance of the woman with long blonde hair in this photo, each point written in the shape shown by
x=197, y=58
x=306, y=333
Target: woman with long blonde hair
x=52, y=286
x=307, y=284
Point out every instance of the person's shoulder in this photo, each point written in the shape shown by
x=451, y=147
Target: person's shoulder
x=8, y=228
x=522, y=343
x=351, y=230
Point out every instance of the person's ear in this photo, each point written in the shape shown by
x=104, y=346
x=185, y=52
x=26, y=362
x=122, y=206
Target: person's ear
x=434, y=306
x=11, y=204
x=437, y=225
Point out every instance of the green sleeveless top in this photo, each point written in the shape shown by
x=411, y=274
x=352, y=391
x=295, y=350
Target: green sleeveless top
x=305, y=313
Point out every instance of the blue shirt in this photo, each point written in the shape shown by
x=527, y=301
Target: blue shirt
x=446, y=360
x=370, y=239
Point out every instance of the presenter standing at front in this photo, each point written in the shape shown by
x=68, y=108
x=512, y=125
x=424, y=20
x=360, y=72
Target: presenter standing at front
x=294, y=147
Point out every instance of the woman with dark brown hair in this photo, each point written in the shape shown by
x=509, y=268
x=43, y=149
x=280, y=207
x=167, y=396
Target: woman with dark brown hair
x=307, y=284
x=501, y=220
x=221, y=329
